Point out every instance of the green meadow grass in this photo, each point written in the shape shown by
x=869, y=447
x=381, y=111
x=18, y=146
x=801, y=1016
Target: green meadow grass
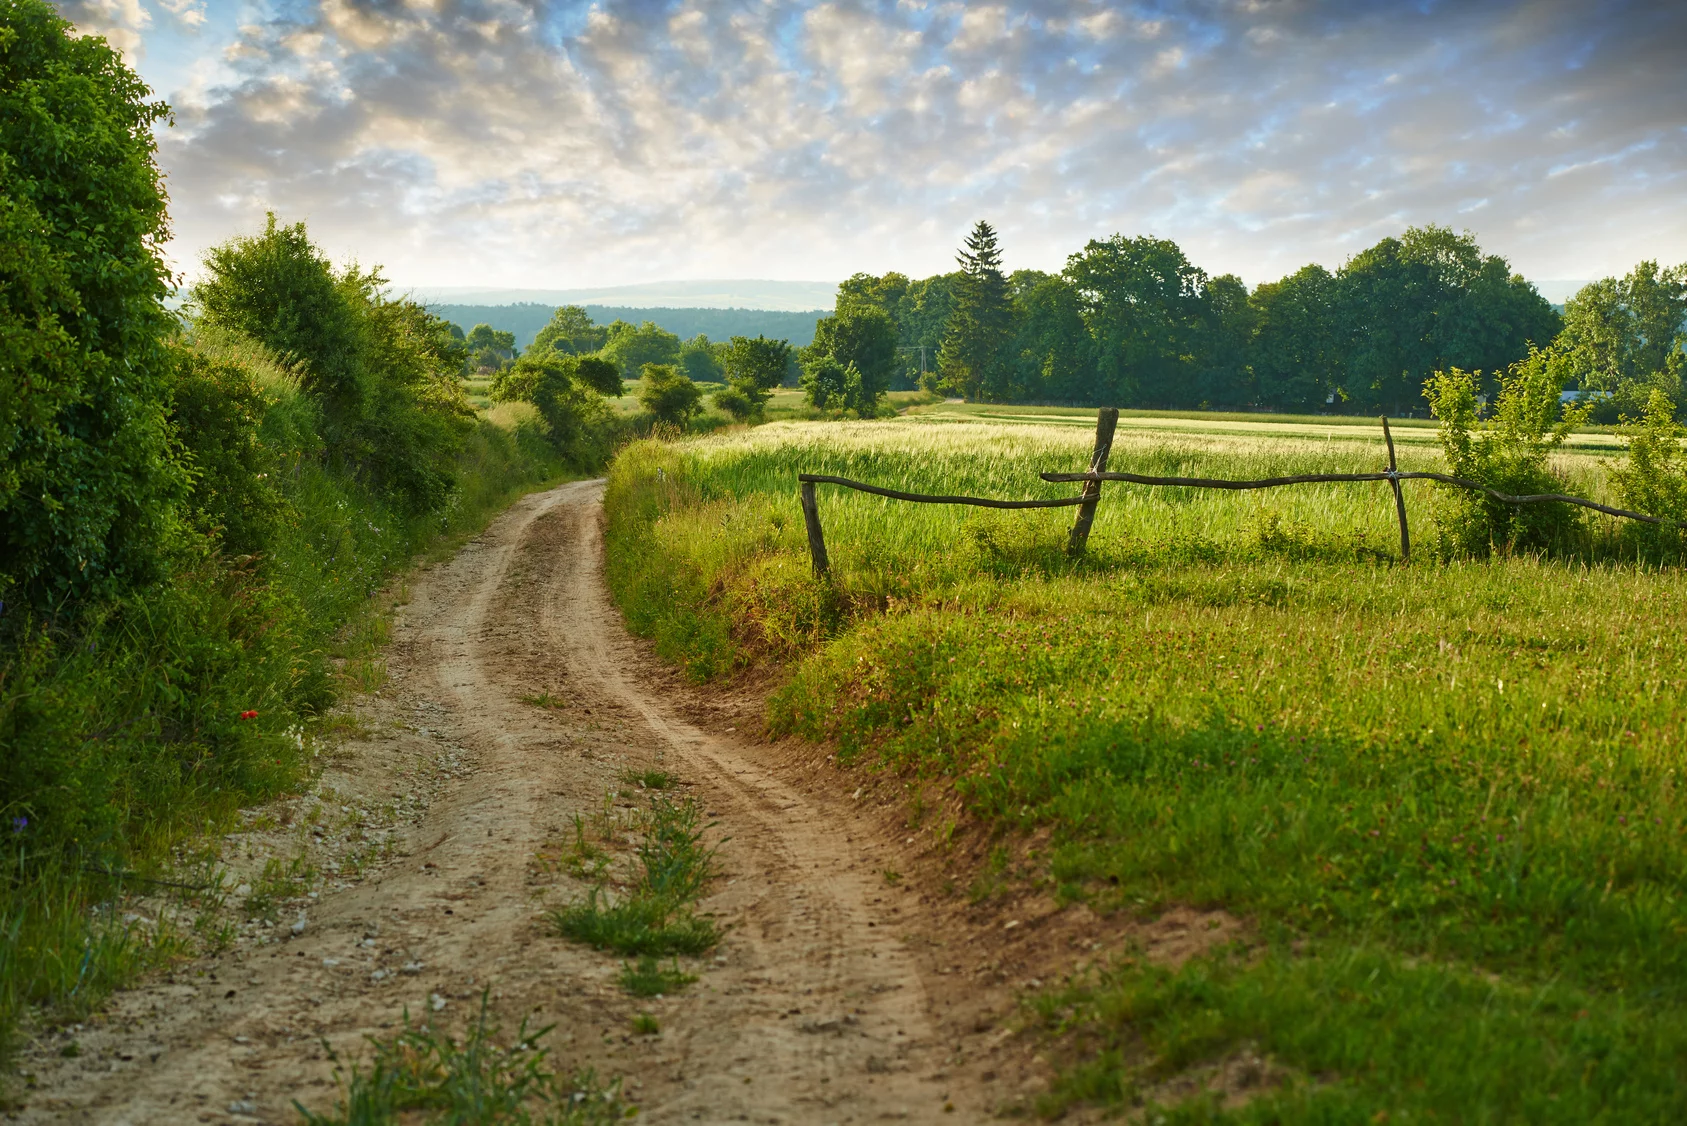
x=1444, y=796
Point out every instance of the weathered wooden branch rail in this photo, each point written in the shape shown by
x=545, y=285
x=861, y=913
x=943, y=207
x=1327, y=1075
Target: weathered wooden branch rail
x=1402, y=475
x=1098, y=472
x=925, y=498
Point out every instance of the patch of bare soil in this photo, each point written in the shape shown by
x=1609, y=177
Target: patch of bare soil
x=415, y=876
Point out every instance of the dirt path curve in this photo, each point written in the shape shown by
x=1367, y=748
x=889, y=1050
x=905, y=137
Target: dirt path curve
x=813, y=1010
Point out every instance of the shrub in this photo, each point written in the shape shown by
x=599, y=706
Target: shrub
x=734, y=402
x=216, y=412
x=1508, y=454
x=88, y=488
x=1653, y=477
x=385, y=374
x=566, y=391
x=670, y=397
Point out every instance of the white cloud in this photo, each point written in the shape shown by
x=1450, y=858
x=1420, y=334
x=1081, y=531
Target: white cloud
x=521, y=142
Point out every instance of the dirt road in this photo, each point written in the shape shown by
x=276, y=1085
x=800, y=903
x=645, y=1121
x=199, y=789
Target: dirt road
x=834, y=996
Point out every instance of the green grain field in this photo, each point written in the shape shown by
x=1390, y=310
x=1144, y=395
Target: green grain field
x=1443, y=798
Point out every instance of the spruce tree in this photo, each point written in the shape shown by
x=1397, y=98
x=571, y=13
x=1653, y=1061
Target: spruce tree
x=974, y=358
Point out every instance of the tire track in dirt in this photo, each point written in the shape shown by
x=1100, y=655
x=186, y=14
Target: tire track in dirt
x=814, y=1010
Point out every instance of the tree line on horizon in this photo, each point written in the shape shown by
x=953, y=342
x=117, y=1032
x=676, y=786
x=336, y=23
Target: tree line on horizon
x=1132, y=322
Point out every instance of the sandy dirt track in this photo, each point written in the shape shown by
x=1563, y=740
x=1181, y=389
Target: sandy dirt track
x=834, y=997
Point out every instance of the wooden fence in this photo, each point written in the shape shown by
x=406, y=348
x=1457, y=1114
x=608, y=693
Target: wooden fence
x=1087, y=500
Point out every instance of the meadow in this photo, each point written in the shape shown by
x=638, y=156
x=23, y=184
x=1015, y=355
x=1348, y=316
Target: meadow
x=1442, y=796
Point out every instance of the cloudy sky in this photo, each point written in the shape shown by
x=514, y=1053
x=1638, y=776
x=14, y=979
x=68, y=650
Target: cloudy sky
x=525, y=143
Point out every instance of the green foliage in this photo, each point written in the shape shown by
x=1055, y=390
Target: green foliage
x=1653, y=477
x=489, y=350
x=702, y=361
x=632, y=347
x=733, y=402
x=567, y=391
x=1508, y=454
x=668, y=395
x=754, y=367
x=1624, y=336
x=88, y=487
x=475, y=1082
x=829, y=385
x=1427, y=302
x=974, y=360
x=570, y=332
x=216, y=410
x=1141, y=299
x=861, y=338
x=1054, y=358
x=1297, y=351
x=384, y=373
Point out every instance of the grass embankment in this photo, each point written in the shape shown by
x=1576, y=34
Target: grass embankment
x=1445, y=795
x=150, y=721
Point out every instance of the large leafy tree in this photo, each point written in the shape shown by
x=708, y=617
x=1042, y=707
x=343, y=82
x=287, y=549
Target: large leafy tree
x=1624, y=335
x=1296, y=355
x=1430, y=301
x=570, y=332
x=1143, y=302
x=700, y=359
x=632, y=347
x=1053, y=358
x=1223, y=375
x=754, y=367
x=859, y=335
x=88, y=485
x=975, y=358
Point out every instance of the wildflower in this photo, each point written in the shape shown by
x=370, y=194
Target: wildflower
x=19, y=824
x=249, y=715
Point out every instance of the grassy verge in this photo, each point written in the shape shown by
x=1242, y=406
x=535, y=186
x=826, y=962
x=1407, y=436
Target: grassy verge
x=149, y=722
x=1445, y=796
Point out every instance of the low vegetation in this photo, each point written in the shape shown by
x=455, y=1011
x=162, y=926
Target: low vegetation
x=653, y=912
x=1443, y=795
x=425, y=1075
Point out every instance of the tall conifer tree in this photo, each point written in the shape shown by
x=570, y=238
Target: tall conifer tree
x=974, y=359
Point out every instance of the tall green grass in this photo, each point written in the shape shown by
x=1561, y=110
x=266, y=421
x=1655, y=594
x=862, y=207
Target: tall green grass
x=1445, y=796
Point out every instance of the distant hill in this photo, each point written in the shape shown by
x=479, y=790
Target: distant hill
x=1558, y=290
x=786, y=296
x=527, y=318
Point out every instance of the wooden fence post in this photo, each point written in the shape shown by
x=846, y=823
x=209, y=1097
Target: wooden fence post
x=817, y=539
x=1399, y=497
x=1105, y=421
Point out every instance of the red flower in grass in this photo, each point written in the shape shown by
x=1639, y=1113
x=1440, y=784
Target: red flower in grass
x=248, y=715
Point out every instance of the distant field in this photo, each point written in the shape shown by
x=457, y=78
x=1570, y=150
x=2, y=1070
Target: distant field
x=1443, y=799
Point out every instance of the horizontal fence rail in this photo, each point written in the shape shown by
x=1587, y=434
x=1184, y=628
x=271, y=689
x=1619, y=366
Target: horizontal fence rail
x=924, y=498
x=1092, y=479
x=1404, y=475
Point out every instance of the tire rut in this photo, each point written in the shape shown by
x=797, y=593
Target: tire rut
x=812, y=1010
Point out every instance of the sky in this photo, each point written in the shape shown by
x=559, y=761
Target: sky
x=519, y=143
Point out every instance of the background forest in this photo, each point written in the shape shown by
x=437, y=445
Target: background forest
x=1131, y=322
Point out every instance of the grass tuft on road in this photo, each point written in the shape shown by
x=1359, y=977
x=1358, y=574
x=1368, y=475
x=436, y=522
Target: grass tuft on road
x=423, y=1075
x=655, y=913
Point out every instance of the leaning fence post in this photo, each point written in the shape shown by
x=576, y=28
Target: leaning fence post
x=1105, y=421
x=816, y=538
x=1399, y=497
